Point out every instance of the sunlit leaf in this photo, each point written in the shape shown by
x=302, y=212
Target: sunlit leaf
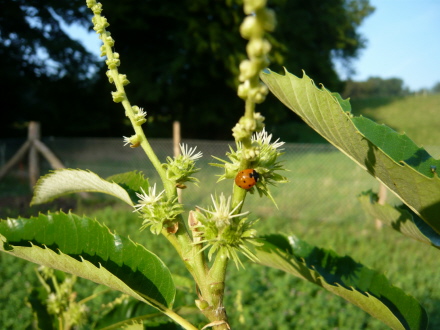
x=83, y=247
x=67, y=181
x=363, y=287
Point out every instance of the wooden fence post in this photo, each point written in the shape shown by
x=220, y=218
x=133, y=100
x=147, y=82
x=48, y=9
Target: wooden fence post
x=382, y=199
x=33, y=145
x=34, y=134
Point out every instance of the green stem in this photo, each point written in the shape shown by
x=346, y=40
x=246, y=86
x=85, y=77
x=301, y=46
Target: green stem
x=93, y=296
x=190, y=253
x=120, y=325
x=216, y=290
x=249, y=109
x=179, y=319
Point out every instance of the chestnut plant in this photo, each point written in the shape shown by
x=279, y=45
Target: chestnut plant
x=209, y=237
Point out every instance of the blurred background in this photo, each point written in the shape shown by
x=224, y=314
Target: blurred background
x=182, y=59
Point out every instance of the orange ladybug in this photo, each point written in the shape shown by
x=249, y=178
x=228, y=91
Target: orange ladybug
x=246, y=179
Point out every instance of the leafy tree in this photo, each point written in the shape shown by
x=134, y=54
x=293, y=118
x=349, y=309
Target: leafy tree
x=436, y=88
x=189, y=72
x=375, y=87
x=42, y=67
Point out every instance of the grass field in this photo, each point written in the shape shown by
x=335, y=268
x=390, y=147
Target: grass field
x=318, y=204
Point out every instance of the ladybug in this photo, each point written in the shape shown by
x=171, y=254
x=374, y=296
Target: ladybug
x=246, y=179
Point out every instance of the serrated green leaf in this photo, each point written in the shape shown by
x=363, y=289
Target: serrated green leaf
x=344, y=277
x=83, y=247
x=400, y=218
x=67, y=181
x=390, y=157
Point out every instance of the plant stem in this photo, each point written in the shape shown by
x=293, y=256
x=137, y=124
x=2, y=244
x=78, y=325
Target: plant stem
x=216, y=284
x=249, y=108
x=93, y=296
x=179, y=319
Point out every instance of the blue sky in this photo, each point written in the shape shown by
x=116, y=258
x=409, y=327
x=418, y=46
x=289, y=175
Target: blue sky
x=403, y=42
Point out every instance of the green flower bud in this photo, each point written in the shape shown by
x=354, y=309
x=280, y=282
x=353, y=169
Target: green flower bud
x=97, y=9
x=103, y=51
x=251, y=28
x=259, y=121
x=139, y=115
x=249, y=124
x=225, y=231
x=243, y=90
x=256, y=96
x=258, y=47
x=248, y=69
x=90, y=3
x=180, y=168
x=239, y=132
x=99, y=28
x=104, y=22
x=118, y=96
x=157, y=212
x=109, y=40
x=108, y=73
x=260, y=93
x=134, y=141
x=251, y=154
x=123, y=79
x=113, y=63
x=259, y=98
